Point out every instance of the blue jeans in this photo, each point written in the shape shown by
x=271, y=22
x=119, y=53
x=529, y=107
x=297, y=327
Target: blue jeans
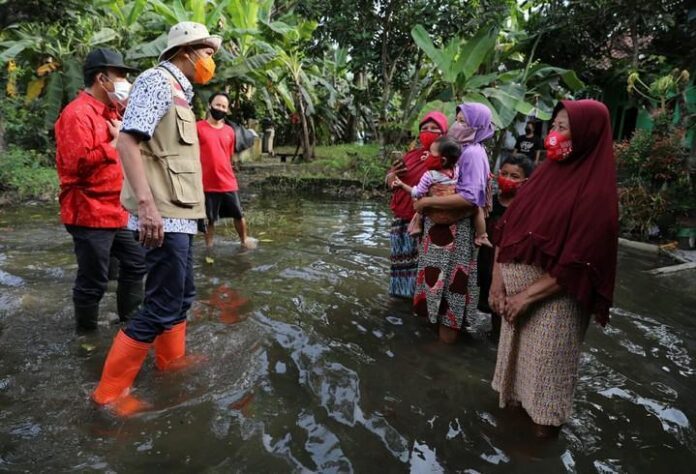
x=169, y=288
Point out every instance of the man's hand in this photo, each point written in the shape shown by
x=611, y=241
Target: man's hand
x=150, y=225
x=114, y=129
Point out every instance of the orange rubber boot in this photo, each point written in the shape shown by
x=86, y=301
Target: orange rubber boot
x=122, y=365
x=170, y=350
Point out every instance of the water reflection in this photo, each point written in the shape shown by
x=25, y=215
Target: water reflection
x=309, y=367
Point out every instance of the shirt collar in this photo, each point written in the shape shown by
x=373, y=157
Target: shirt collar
x=183, y=81
x=99, y=107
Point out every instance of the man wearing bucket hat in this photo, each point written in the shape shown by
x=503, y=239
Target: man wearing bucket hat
x=163, y=194
x=90, y=180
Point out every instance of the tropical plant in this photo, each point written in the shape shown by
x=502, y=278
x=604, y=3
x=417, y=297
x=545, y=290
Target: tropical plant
x=464, y=74
x=53, y=53
x=656, y=178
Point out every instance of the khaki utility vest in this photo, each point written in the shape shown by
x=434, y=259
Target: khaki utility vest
x=171, y=159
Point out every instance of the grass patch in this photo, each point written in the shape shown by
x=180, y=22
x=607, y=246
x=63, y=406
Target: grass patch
x=352, y=162
x=24, y=174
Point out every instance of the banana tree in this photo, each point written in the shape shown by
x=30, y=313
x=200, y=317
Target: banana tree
x=54, y=53
x=293, y=71
x=465, y=75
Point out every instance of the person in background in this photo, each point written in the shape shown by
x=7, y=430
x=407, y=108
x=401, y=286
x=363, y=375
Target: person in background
x=217, y=142
x=555, y=265
x=90, y=177
x=409, y=169
x=529, y=144
x=163, y=194
x=514, y=172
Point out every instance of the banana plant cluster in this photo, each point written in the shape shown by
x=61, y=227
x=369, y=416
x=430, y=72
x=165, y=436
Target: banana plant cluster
x=482, y=69
x=262, y=58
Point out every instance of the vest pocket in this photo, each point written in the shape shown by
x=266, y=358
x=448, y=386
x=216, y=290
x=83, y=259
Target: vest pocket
x=184, y=182
x=186, y=124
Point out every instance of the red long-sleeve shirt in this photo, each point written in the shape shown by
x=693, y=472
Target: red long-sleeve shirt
x=88, y=166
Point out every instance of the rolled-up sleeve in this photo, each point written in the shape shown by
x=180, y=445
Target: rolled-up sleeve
x=149, y=101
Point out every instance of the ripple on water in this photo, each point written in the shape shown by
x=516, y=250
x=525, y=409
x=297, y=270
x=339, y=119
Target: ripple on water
x=673, y=421
x=322, y=371
x=424, y=460
x=335, y=385
x=7, y=279
x=664, y=339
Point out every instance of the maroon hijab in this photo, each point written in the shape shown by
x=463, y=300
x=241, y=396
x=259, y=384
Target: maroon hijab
x=402, y=202
x=565, y=218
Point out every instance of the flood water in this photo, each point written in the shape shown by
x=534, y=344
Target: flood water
x=311, y=367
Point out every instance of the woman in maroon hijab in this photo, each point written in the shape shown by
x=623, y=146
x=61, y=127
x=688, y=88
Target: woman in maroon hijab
x=404, y=247
x=556, y=264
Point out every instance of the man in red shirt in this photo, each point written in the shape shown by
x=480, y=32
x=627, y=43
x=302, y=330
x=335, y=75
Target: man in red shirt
x=90, y=176
x=219, y=182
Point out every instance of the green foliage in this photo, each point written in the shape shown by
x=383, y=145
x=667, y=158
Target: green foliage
x=464, y=70
x=19, y=121
x=605, y=40
x=656, y=177
x=640, y=209
x=353, y=162
x=25, y=174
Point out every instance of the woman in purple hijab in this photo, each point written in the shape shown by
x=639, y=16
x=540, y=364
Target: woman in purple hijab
x=446, y=287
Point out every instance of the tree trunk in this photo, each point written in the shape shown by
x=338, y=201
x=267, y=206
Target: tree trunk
x=498, y=148
x=313, y=138
x=634, y=44
x=387, y=74
x=408, y=109
x=2, y=135
x=306, y=153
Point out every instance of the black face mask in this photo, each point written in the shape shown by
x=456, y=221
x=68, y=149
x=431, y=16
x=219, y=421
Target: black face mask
x=529, y=131
x=217, y=114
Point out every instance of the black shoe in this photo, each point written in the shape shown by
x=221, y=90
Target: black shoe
x=86, y=317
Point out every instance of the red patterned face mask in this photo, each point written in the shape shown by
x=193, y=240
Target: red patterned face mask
x=558, y=146
x=427, y=138
x=508, y=186
x=433, y=162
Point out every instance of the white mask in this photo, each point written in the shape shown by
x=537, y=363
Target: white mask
x=120, y=94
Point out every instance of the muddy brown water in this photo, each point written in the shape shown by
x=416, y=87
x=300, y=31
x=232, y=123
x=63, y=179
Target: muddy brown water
x=311, y=367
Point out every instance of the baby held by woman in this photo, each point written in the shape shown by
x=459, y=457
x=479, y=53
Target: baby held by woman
x=440, y=180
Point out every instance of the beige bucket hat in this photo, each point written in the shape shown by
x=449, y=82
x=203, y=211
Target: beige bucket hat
x=189, y=33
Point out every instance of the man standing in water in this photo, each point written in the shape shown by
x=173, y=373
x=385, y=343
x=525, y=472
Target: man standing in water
x=163, y=193
x=90, y=180
x=219, y=182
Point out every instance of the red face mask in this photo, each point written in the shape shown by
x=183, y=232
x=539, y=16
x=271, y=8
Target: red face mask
x=508, y=186
x=558, y=146
x=427, y=138
x=433, y=162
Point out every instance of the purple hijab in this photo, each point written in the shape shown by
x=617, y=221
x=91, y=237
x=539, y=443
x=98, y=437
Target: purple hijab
x=473, y=162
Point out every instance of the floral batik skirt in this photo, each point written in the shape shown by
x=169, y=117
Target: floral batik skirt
x=446, y=288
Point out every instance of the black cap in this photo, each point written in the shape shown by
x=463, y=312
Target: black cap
x=102, y=57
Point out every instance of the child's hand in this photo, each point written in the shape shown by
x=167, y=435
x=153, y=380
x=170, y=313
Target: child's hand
x=482, y=240
x=397, y=183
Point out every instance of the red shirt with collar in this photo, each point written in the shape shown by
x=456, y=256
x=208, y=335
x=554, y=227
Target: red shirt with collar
x=88, y=166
